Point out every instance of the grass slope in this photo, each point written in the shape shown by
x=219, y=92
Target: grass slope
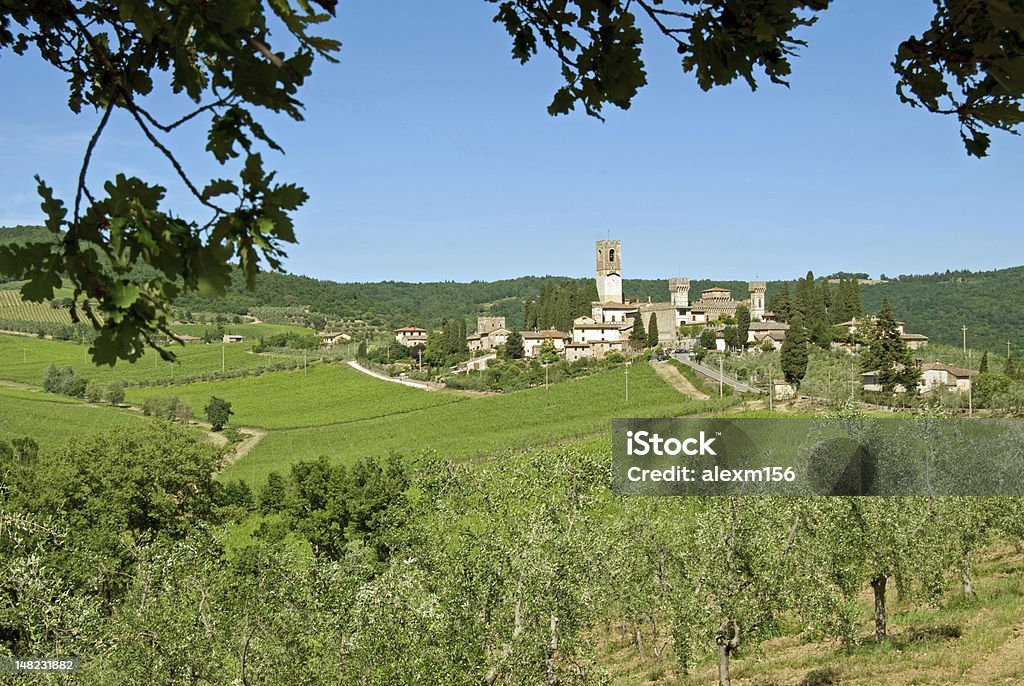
x=52, y=419
x=25, y=358
x=325, y=394
x=472, y=427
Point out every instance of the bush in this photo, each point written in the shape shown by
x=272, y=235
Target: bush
x=65, y=381
x=94, y=392
x=115, y=393
x=165, y=406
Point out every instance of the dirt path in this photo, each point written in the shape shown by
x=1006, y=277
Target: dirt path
x=670, y=375
x=1001, y=666
x=19, y=386
x=252, y=437
x=422, y=385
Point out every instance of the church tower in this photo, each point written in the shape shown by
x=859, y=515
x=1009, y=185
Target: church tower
x=609, y=272
x=757, y=289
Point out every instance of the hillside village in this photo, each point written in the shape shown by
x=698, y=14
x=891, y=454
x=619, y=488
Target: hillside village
x=709, y=323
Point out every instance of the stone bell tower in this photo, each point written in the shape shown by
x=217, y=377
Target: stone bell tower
x=757, y=289
x=609, y=272
x=679, y=290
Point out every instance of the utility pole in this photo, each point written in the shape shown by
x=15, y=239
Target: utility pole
x=222, y=356
x=721, y=366
x=627, y=381
x=303, y=362
x=964, y=327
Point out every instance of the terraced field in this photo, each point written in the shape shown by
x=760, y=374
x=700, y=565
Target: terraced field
x=14, y=308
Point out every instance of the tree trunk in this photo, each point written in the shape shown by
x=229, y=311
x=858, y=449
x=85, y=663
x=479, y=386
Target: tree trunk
x=552, y=668
x=723, y=665
x=878, y=585
x=638, y=639
x=965, y=576
x=727, y=645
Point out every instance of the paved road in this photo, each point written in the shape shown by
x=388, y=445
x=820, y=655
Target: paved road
x=712, y=374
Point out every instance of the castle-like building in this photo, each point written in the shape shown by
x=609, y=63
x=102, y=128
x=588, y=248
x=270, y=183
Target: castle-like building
x=612, y=316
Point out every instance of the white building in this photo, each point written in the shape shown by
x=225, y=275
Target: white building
x=534, y=340
x=410, y=336
x=936, y=375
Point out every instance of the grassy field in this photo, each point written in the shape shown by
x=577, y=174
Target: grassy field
x=468, y=427
x=25, y=358
x=51, y=419
x=324, y=395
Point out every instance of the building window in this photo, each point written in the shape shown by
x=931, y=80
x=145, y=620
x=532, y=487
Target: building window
x=611, y=255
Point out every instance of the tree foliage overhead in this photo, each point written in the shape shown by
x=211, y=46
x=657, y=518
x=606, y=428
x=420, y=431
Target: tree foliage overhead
x=969, y=63
x=218, y=57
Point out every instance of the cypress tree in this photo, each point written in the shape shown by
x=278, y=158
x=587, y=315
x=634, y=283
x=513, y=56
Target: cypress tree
x=794, y=351
x=983, y=367
x=856, y=298
x=638, y=337
x=514, y=346
x=781, y=303
x=1011, y=368
x=742, y=325
x=888, y=354
x=652, y=331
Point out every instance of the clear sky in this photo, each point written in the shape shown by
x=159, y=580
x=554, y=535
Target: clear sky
x=429, y=155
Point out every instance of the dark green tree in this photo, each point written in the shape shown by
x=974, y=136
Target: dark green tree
x=707, y=339
x=983, y=367
x=514, y=346
x=889, y=355
x=652, y=331
x=794, y=351
x=731, y=336
x=218, y=412
x=1011, y=369
x=638, y=336
x=781, y=303
x=742, y=325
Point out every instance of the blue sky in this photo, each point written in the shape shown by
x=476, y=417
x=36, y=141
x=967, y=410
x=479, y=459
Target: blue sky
x=429, y=155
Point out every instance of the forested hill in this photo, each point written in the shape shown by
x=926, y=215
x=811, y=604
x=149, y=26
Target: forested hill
x=990, y=303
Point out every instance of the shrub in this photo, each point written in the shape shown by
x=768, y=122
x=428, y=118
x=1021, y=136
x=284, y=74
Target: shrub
x=115, y=393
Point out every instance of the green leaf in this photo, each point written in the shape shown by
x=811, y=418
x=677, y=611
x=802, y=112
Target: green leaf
x=123, y=295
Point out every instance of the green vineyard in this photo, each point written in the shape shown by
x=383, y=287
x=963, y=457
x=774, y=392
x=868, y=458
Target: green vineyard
x=12, y=307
